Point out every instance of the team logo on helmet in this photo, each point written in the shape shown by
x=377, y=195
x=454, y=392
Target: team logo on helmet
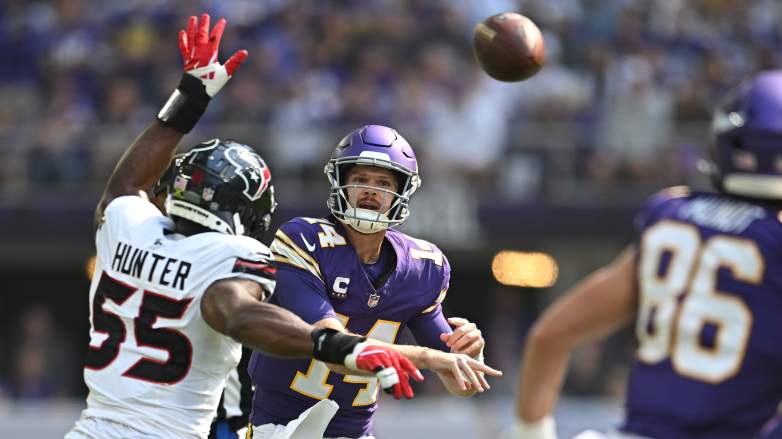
x=251, y=169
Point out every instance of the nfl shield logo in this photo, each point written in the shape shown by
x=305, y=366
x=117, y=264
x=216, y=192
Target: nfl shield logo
x=373, y=299
x=207, y=194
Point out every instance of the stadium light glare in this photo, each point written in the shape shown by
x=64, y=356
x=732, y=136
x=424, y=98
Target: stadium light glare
x=523, y=269
x=89, y=267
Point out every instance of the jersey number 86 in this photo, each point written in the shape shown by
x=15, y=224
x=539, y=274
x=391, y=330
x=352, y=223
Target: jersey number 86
x=679, y=298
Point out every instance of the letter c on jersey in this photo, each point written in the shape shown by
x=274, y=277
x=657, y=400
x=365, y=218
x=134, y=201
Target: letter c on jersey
x=340, y=287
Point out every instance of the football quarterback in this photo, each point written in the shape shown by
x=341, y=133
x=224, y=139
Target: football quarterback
x=351, y=271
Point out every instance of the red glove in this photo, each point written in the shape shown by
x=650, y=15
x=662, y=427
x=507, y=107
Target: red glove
x=204, y=75
x=199, y=52
x=391, y=368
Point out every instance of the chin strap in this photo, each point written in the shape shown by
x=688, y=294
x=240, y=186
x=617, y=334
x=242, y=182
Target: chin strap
x=365, y=221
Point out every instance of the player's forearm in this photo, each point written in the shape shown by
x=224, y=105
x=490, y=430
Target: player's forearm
x=272, y=330
x=596, y=307
x=419, y=355
x=143, y=163
x=542, y=372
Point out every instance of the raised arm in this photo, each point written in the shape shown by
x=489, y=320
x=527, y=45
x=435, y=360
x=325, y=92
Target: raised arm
x=597, y=306
x=150, y=153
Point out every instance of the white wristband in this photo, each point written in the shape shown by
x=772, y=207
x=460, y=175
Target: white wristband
x=350, y=359
x=545, y=428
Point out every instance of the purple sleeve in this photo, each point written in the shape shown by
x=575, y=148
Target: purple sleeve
x=427, y=327
x=302, y=294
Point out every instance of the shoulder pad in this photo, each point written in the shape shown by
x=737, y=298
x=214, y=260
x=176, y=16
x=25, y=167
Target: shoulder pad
x=312, y=234
x=249, y=248
x=425, y=250
x=651, y=207
x=667, y=194
x=299, y=241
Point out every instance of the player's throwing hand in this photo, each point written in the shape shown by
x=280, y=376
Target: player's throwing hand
x=465, y=372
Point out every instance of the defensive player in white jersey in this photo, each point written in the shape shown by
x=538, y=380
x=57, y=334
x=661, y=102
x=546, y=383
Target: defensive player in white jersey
x=173, y=296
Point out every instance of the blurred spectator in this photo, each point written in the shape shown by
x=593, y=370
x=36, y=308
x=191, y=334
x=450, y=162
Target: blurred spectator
x=637, y=121
x=42, y=359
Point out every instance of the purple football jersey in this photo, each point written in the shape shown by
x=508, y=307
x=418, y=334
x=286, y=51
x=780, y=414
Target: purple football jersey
x=320, y=276
x=710, y=299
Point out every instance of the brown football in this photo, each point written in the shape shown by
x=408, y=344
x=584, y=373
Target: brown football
x=509, y=47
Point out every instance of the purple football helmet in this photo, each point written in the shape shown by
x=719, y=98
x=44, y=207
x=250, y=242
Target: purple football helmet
x=747, y=151
x=372, y=145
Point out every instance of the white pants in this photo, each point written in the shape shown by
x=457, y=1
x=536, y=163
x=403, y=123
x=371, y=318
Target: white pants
x=309, y=425
x=96, y=428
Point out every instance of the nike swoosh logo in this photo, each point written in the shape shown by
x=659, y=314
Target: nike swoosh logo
x=310, y=247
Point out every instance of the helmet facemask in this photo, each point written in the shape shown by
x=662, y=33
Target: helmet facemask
x=366, y=220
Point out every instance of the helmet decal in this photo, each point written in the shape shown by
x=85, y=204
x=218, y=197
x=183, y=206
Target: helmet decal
x=257, y=177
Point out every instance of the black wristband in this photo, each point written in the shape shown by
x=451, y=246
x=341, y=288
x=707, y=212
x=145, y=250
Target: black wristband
x=186, y=105
x=333, y=346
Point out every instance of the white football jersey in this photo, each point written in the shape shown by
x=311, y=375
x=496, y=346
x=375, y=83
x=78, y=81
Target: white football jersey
x=153, y=363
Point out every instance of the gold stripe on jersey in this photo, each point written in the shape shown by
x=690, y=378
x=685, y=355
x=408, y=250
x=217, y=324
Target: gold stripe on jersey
x=284, y=253
x=281, y=258
x=281, y=235
x=439, y=300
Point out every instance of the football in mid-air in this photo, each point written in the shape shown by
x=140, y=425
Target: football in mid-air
x=509, y=47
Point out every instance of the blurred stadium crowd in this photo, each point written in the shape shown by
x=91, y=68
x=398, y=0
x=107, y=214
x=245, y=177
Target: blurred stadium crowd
x=625, y=97
x=79, y=78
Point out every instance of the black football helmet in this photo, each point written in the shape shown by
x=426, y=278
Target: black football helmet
x=224, y=186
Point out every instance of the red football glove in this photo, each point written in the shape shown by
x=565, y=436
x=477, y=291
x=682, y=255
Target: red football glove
x=391, y=368
x=199, y=52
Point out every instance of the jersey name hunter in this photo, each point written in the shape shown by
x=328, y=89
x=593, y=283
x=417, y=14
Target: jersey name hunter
x=135, y=262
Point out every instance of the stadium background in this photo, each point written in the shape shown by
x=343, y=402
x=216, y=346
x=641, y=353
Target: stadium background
x=558, y=164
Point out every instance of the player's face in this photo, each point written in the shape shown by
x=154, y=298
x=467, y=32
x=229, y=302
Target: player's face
x=368, y=179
